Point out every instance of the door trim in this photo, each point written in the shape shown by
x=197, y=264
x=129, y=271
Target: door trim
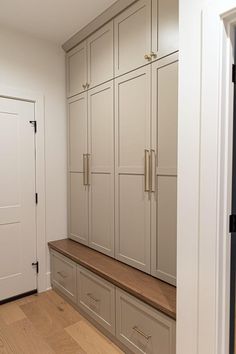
x=43, y=279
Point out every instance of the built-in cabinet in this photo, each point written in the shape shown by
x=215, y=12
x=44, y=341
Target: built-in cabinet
x=122, y=92
x=136, y=325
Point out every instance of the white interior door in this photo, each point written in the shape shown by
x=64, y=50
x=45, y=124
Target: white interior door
x=78, y=147
x=101, y=150
x=133, y=129
x=17, y=198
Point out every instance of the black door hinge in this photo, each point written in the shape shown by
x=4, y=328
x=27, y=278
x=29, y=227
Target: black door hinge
x=36, y=198
x=232, y=223
x=234, y=73
x=36, y=264
x=34, y=123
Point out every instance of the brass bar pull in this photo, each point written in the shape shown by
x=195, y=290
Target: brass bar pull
x=92, y=297
x=88, y=169
x=153, y=171
x=62, y=275
x=85, y=180
x=146, y=171
x=147, y=337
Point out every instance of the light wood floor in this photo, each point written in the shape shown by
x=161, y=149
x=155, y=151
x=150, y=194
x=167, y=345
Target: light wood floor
x=46, y=324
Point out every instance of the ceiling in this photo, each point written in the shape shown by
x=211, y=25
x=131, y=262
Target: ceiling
x=54, y=20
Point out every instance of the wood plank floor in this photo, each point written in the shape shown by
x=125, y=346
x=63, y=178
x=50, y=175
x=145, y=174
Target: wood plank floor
x=47, y=324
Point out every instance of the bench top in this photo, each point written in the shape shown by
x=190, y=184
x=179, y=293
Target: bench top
x=152, y=291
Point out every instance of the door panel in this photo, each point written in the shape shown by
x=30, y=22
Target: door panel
x=133, y=129
x=164, y=142
x=78, y=127
x=100, y=55
x=165, y=27
x=78, y=209
x=17, y=198
x=101, y=151
x=132, y=37
x=76, y=69
x=78, y=146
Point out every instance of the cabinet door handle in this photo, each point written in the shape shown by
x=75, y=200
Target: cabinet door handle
x=146, y=171
x=88, y=169
x=85, y=169
x=153, y=170
x=153, y=55
x=146, y=336
x=84, y=86
x=148, y=57
x=87, y=85
x=92, y=297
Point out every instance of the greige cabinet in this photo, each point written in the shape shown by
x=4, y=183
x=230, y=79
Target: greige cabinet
x=91, y=62
x=91, y=168
x=101, y=168
x=78, y=221
x=165, y=27
x=122, y=193
x=76, y=64
x=133, y=137
x=142, y=329
x=164, y=145
x=133, y=37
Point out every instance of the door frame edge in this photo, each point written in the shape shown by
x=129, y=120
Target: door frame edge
x=38, y=99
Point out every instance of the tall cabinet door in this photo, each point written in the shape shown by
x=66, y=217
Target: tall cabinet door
x=101, y=153
x=76, y=62
x=132, y=37
x=132, y=118
x=100, y=55
x=77, y=191
x=164, y=163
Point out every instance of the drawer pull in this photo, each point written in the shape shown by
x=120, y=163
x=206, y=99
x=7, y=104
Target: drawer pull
x=62, y=275
x=92, y=297
x=147, y=337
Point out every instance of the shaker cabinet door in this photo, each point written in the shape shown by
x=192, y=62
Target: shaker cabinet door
x=164, y=141
x=133, y=124
x=100, y=56
x=101, y=160
x=76, y=61
x=132, y=37
x=77, y=191
x=165, y=27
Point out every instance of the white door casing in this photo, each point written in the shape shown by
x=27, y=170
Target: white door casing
x=17, y=198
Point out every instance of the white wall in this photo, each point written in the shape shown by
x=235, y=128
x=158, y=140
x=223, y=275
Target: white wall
x=32, y=64
x=205, y=134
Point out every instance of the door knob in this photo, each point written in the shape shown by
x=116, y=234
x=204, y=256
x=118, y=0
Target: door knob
x=153, y=55
x=147, y=57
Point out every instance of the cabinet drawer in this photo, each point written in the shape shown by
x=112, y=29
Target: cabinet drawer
x=141, y=328
x=97, y=298
x=64, y=275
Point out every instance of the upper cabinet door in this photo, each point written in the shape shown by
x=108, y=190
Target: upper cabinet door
x=77, y=70
x=133, y=37
x=101, y=152
x=100, y=56
x=133, y=129
x=165, y=27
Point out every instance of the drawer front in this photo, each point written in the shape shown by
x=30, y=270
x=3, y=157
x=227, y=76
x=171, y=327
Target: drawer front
x=97, y=298
x=64, y=275
x=141, y=328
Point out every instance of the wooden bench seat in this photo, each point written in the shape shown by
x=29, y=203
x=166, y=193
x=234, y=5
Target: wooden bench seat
x=152, y=291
